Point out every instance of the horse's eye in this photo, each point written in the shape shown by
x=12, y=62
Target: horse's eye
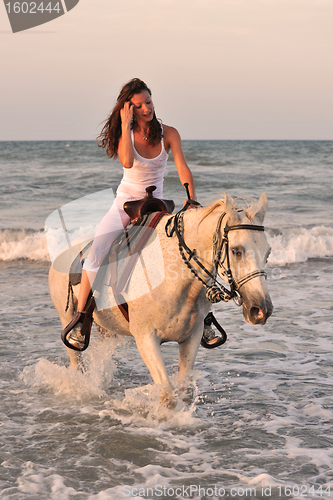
x=236, y=253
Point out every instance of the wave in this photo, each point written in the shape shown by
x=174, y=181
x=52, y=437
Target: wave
x=18, y=244
x=300, y=244
x=288, y=247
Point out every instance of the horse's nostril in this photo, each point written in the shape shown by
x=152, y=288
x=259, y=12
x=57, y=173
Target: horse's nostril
x=256, y=314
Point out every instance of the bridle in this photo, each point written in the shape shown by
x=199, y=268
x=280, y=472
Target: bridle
x=215, y=291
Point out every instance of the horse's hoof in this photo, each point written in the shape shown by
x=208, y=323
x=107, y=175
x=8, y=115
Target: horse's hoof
x=167, y=399
x=170, y=404
x=186, y=394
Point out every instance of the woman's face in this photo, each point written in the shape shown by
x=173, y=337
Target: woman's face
x=143, y=108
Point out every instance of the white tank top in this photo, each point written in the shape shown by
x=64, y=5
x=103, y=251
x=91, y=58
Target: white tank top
x=144, y=172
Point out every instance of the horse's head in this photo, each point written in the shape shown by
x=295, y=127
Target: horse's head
x=248, y=253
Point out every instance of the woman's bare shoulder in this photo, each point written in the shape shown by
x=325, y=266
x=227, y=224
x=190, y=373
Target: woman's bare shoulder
x=170, y=133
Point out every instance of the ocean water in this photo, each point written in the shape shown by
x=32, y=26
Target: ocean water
x=261, y=422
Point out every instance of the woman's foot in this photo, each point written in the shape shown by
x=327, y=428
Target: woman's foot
x=76, y=335
x=76, y=339
x=209, y=339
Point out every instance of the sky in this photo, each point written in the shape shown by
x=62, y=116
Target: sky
x=218, y=69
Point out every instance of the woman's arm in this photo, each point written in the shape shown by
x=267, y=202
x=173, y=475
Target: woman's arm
x=173, y=141
x=125, y=146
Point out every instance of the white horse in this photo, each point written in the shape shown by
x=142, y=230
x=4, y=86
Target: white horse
x=229, y=243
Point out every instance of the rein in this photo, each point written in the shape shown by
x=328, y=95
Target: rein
x=215, y=292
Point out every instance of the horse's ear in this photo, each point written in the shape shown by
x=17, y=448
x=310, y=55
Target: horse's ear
x=257, y=214
x=230, y=210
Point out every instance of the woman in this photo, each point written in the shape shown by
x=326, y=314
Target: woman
x=142, y=143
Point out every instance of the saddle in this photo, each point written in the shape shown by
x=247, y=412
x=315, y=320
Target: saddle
x=136, y=209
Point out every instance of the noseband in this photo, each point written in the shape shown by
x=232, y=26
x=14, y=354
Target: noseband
x=215, y=291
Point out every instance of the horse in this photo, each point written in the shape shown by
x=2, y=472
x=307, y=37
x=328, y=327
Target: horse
x=211, y=253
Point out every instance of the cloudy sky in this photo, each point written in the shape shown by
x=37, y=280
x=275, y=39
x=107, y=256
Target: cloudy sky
x=218, y=69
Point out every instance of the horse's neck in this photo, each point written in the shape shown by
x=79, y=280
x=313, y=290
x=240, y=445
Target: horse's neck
x=199, y=230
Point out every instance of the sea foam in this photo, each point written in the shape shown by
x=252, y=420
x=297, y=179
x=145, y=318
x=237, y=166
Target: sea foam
x=22, y=243
x=300, y=244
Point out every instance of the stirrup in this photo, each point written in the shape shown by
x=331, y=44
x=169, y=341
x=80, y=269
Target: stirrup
x=84, y=319
x=210, y=340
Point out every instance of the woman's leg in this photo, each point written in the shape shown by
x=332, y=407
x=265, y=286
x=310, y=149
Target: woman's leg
x=112, y=224
x=85, y=288
x=108, y=229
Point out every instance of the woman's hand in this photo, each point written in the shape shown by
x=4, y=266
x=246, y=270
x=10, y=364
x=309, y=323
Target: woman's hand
x=126, y=114
x=125, y=146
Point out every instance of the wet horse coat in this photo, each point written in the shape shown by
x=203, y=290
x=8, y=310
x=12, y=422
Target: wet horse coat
x=175, y=309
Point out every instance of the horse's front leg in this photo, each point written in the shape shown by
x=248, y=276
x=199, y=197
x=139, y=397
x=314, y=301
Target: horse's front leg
x=149, y=346
x=187, y=354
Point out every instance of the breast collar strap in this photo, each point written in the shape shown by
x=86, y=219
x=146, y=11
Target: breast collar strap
x=215, y=291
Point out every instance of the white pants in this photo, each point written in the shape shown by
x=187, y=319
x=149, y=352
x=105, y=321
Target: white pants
x=112, y=224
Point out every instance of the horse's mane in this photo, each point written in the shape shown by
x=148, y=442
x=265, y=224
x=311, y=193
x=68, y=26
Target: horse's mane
x=213, y=206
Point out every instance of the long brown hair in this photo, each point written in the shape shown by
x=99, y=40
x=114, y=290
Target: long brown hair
x=111, y=131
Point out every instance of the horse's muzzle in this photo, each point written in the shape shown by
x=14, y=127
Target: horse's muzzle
x=259, y=314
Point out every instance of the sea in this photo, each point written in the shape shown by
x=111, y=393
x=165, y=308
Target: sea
x=261, y=422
